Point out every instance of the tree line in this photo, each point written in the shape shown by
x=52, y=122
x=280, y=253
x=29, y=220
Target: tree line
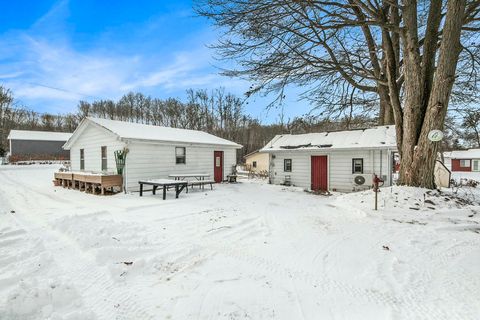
x=216, y=112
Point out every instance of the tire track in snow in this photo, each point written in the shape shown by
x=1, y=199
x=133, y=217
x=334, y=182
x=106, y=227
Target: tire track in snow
x=451, y=283
x=397, y=304
x=99, y=293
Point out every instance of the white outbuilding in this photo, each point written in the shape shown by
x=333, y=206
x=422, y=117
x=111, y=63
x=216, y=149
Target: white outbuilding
x=153, y=151
x=335, y=161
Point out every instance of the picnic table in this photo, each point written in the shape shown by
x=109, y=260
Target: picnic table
x=165, y=184
x=199, y=177
x=182, y=176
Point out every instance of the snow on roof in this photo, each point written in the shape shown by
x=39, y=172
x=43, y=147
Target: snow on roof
x=378, y=137
x=137, y=131
x=38, y=135
x=463, y=154
x=251, y=153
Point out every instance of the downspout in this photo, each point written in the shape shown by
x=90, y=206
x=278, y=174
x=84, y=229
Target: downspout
x=271, y=168
x=390, y=166
x=373, y=160
x=381, y=162
x=125, y=171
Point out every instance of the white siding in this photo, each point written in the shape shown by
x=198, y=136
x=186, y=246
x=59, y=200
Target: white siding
x=448, y=163
x=91, y=140
x=151, y=161
x=339, y=167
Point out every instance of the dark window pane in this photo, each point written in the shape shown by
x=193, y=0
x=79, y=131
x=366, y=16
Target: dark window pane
x=104, y=158
x=82, y=159
x=287, y=165
x=357, y=165
x=180, y=155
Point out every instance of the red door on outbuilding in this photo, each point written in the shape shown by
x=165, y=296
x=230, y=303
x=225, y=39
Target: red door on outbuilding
x=218, y=166
x=319, y=173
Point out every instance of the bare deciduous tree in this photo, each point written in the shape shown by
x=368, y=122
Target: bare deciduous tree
x=471, y=126
x=405, y=52
x=216, y=112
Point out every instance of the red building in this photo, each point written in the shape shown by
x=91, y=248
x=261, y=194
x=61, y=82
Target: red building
x=463, y=160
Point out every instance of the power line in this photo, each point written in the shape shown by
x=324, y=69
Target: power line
x=64, y=90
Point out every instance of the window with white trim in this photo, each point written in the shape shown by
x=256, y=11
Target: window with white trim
x=287, y=165
x=357, y=165
x=180, y=155
x=82, y=159
x=465, y=163
x=104, y=158
x=476, y=165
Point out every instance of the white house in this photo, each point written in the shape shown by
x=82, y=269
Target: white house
x=335, y=161
x=153, y=151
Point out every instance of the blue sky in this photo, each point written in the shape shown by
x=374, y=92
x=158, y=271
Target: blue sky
x=55, y=53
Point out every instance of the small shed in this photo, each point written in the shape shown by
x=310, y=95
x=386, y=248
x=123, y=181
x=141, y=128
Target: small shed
x=257, y=161
x=335, y=161
x=153, y=152
x=27, y=145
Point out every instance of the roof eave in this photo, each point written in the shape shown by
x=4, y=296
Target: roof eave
x=329, y=149
x=233, y=146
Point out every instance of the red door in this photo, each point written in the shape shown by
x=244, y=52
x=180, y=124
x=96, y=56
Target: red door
x=319, y=173
x=218, y=166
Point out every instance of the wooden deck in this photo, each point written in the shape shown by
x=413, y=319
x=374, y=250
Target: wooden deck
x=89, y=182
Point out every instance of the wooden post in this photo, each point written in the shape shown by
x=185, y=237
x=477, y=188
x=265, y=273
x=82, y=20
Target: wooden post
x=376, y=188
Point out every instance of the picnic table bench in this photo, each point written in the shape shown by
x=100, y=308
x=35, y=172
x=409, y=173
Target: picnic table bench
x=182, y=176
x=232, y=178
x=199, y=179
x=201, y=183
x=165, y=184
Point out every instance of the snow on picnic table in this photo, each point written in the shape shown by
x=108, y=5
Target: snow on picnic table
x=242, y=251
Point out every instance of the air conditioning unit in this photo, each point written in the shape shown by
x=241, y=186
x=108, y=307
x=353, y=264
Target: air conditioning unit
x=362, y=179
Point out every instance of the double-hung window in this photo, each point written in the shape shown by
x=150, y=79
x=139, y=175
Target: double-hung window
x=254, y=164
x=104, y=158
x=357, y=165
x=465, y=163
x=82, y=159
x=180, y=155
x=476, y=165
x=287, y=165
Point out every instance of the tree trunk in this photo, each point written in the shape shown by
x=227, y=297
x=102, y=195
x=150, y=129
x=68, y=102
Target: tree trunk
x=419, y=154
x=385, y=115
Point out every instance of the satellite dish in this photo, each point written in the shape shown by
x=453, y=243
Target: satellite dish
x=435, y=135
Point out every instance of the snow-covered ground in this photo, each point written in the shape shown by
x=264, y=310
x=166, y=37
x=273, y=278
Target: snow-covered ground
x=242, y=251
x=457, y=176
